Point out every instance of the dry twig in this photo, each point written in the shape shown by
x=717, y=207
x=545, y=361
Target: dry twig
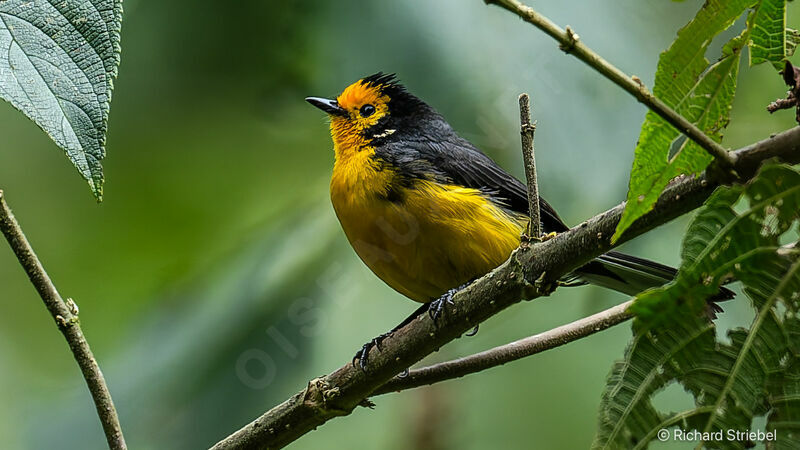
x=65, y=315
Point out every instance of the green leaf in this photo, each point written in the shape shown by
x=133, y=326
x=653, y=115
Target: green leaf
x=627, y=416
x=702, y=94
x=738, y=233
x=783, y=390
x=768, y=38
x=731, y=383
x=721, y=241
x=58, y=64
x=792, y=39
x=743, y=368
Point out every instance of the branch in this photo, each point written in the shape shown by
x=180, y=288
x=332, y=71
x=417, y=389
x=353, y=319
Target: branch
x=791, y=76
x=782, y=103
x=526, y=132
x=570, y=43
x=528, y=273
x=66, y=317
x=509, y=352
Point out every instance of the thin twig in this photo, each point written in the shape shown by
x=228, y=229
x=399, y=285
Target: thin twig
x=526, y=132
x=66, y=316
x=570, y=43
x=791, y=76
x=510, y=352
x=782, y=103
x=526, y=274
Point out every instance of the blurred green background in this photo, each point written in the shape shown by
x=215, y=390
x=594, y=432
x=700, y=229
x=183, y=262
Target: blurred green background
x=214, y=280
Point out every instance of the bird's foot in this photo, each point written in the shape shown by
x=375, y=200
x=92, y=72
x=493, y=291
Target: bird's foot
x=436, y=307
x=362, y=356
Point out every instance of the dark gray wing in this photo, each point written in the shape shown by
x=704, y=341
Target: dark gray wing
x=449, y=158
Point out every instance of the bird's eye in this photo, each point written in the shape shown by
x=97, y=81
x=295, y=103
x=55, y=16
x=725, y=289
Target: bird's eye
x=367, y=110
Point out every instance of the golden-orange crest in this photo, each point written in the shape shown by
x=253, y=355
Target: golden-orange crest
x=348, y=131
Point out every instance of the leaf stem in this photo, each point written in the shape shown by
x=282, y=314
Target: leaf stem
x=570, y=43
x=65, y=315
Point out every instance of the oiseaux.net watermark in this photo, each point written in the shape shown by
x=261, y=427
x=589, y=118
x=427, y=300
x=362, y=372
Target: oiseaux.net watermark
x=257, y=368
x=680, y=435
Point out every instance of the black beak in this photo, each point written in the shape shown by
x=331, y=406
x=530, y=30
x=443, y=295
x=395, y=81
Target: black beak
x=327, y=105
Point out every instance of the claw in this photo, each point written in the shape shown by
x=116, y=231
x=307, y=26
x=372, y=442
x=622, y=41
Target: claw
x=436, y=307
x=473, y=332
x=403, y=374
x=362, y=356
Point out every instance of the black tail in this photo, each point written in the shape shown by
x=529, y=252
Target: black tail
x=631, y=275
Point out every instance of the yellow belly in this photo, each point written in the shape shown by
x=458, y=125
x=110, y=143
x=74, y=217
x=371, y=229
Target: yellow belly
x=430, y=239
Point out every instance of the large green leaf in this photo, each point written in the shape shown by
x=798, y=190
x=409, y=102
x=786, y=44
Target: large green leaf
x=627, y=416
x=742, y=368
x=58, y=64
x=702, y=94
x=720, y=242
x=783, y=389
x=731, y=383
x=738, y=233
x=768, y=38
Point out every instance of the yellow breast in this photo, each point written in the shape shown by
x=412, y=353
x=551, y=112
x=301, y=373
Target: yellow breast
x=423, y=239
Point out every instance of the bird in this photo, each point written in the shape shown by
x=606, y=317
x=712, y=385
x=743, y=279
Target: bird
x=427, y=211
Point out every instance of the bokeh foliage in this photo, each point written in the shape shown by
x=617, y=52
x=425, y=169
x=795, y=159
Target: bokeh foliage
x=216, y=235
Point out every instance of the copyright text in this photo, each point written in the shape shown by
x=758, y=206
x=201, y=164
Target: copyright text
x=717, y=436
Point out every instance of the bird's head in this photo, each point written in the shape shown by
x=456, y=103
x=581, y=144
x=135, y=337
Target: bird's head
x=373, y=108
